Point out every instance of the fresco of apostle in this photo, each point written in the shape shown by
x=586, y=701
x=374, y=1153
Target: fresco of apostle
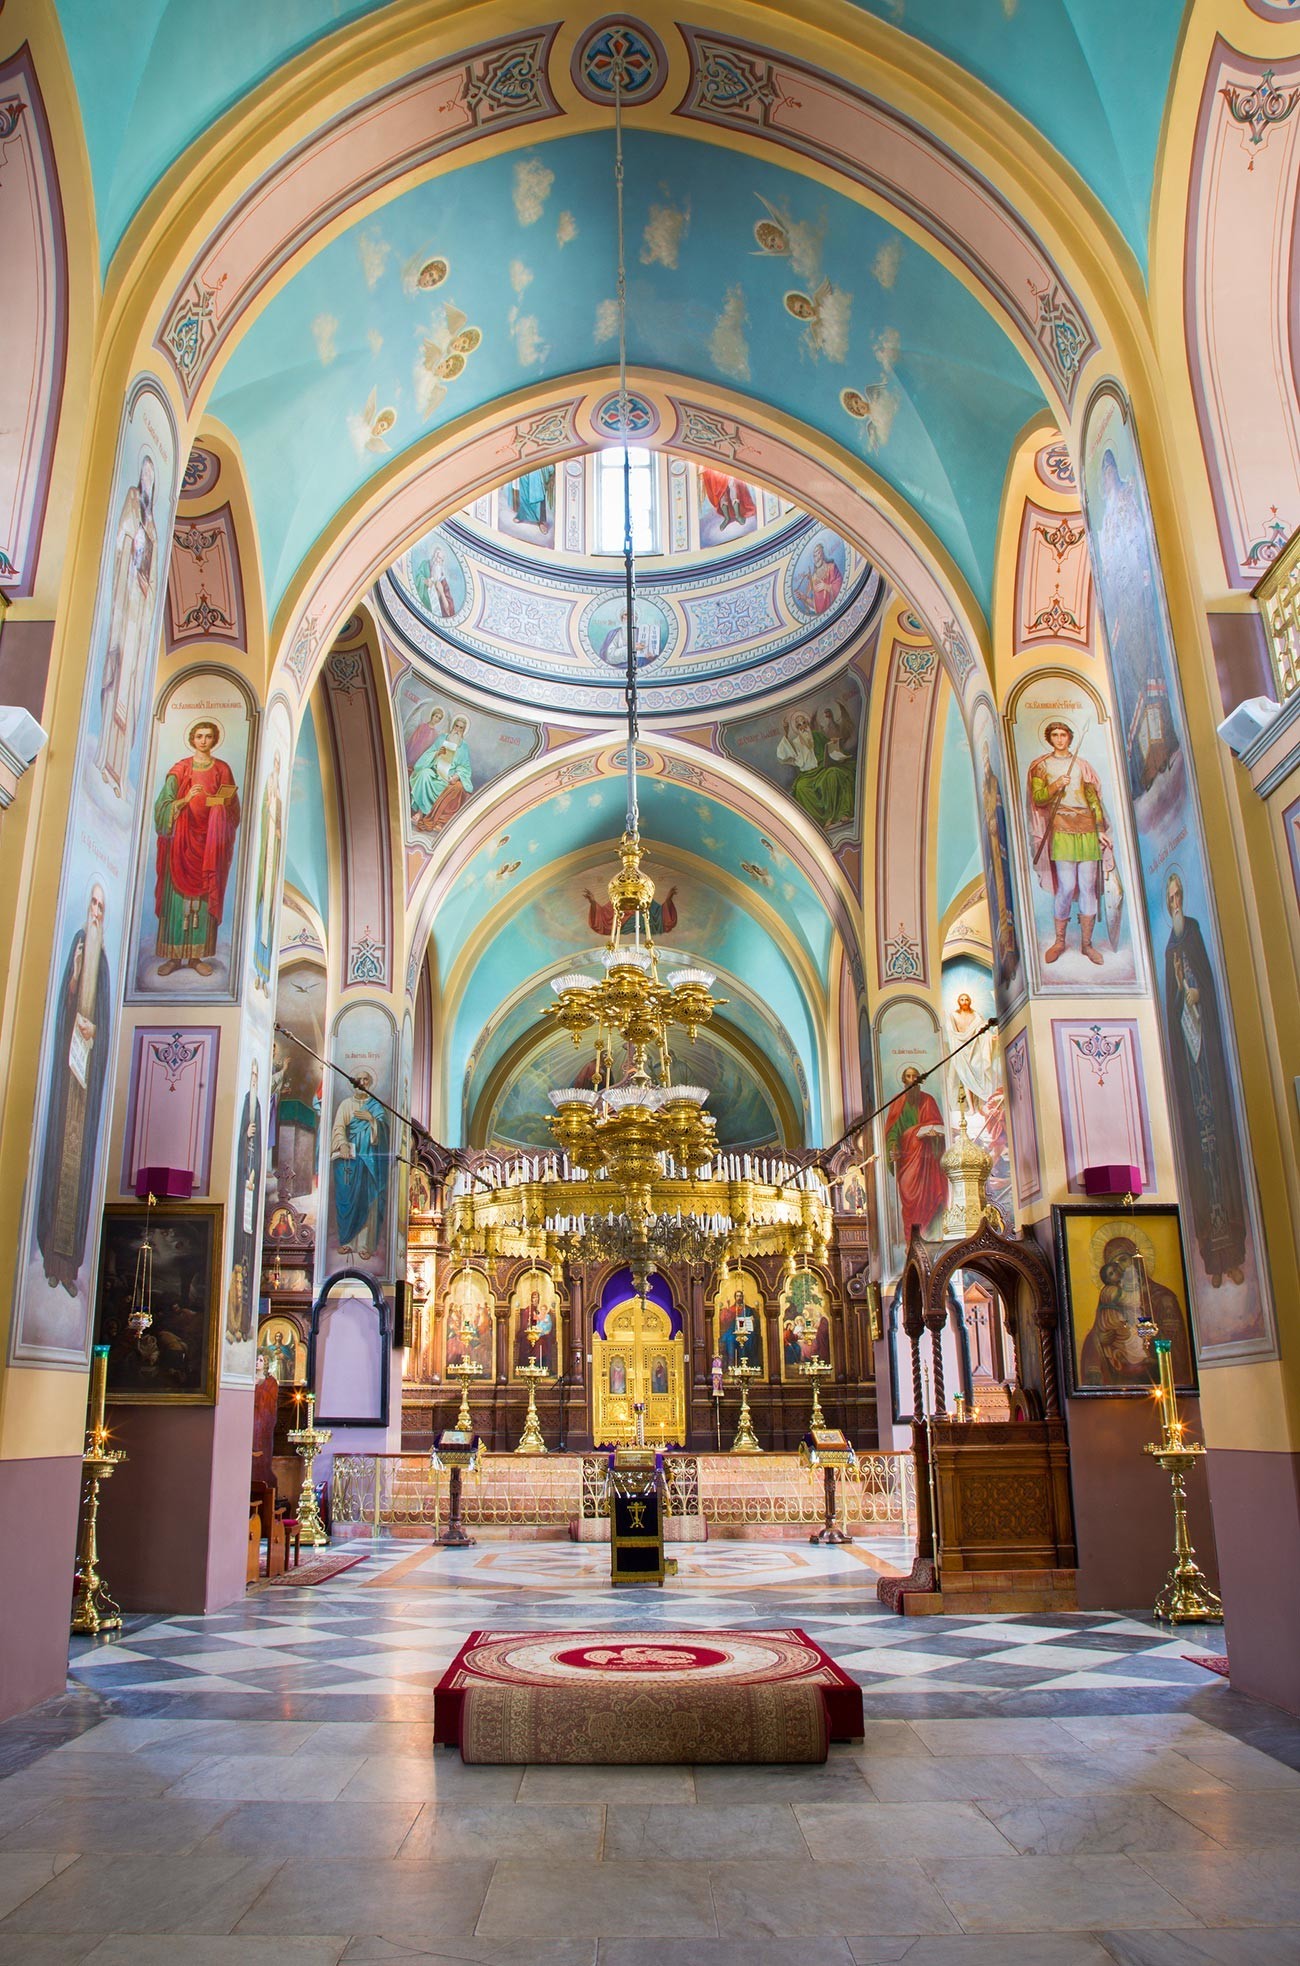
x=81, y=1057
x=135, y=581
x=196, y=817
x=1214, y=1192
x=442, y=777
x=820, y=751
x=359, y=1156
x=914, y=1142
x=1071, y=837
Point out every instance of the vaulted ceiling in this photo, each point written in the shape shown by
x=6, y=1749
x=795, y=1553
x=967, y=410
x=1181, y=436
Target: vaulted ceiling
x=529, y=245
x=1089, y=75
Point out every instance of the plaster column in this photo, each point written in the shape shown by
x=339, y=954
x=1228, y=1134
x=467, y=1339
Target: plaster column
x=578, y=1338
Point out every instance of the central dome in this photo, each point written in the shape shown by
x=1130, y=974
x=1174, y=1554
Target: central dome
x=739, y=593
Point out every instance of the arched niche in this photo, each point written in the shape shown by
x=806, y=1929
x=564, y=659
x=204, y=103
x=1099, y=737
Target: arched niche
x=349, y=1351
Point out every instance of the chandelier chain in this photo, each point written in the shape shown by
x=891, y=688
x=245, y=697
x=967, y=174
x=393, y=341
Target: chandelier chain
x=629, y=549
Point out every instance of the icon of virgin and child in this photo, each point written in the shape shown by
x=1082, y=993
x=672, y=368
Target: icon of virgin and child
x=1133, y=1309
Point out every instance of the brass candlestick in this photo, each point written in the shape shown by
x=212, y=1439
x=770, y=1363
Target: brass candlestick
x=93, y=1610
x=1186, y=1598
x=746, y=1441
x=816, y=1370
x=466, y=1370
x=531, y=1441
x=307, y=1443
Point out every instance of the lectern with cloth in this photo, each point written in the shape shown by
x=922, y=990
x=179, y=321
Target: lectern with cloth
x=635, y=1490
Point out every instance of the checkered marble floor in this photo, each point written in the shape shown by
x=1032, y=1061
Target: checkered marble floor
x=258, y=1788
x=390, y=1625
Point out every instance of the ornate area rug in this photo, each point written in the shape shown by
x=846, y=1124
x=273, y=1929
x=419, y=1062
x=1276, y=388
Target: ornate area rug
x=644, y=1696
x=1212, y=1661
x=315, y=1568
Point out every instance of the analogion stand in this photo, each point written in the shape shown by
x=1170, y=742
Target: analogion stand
x=635, y=1489
x=458, y=1452
x=831, y=1451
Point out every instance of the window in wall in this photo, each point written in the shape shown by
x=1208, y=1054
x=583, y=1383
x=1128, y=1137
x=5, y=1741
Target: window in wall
x=609, y=500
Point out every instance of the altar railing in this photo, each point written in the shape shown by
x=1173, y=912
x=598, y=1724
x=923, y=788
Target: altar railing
x=398, y=1493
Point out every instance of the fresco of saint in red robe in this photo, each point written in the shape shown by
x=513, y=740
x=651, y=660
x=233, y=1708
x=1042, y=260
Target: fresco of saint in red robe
x=196, y=817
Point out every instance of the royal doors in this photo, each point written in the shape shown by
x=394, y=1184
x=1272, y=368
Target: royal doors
x=638, y=1359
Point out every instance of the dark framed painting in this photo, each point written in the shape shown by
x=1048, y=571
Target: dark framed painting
x=173, y=1362
x=1122, y=1277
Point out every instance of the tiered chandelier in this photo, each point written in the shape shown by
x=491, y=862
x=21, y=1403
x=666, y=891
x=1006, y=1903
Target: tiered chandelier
x=638, y=1178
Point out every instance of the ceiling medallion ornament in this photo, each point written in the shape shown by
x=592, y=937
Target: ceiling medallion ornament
x=642, y=418
x=202, y=470
x=619, y=58
x=637, y=1177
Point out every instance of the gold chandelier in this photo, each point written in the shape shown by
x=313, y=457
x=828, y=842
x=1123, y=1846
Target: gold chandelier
x=638, y=1178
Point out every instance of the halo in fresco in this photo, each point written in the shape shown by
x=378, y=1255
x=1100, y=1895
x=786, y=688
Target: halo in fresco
x=604, y=632
x=438, y=579
x=492, y=601
x=815, y=578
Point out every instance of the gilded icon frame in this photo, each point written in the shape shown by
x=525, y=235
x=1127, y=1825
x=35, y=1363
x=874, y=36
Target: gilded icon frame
x=198, y=1225
x=1100, y=1356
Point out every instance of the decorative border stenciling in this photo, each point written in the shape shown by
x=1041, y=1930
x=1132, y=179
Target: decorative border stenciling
x=205, y=586
x=399, y=130
x=202, y=474
x=901, y=831
x=622, y=47
x=739, y=86
x=1053, y=580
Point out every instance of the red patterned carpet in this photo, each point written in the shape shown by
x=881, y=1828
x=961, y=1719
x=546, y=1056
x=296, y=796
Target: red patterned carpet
x=648, y=1696
x=316, y=1567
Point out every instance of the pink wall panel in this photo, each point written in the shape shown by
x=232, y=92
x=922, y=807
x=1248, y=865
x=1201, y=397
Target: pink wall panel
x=1024, y=1123
x=902, y=798
x=1103, y=1103
x=170, y=1102
x=1240, y=303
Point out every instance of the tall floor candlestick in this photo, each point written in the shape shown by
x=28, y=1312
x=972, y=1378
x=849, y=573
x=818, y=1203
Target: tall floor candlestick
x=93, y=1610
x=307, y=1443
x=1186, y=1598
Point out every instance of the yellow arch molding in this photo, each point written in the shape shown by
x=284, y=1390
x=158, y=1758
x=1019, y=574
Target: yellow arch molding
x=794, y=831
x=729, y=1037
x=482, y=449
x=665, y=859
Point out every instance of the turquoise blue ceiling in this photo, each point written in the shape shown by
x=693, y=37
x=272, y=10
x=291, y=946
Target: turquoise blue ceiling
x=959, y=833
x=672, y=815
x=741, y=1106
x=152, y=75
x=306, y=389
x=1092, y=75
x=306, y=850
